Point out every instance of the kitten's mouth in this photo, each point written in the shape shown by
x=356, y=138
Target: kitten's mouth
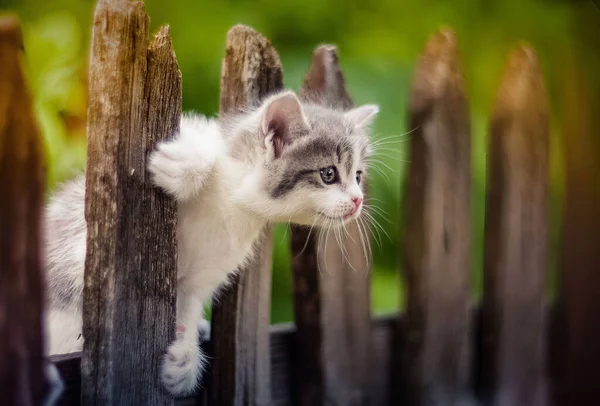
x=327, y=216
x=351, y=213
x=342, y=218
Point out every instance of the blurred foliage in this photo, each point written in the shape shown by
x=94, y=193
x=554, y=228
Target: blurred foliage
x=379, y=43
x=57, y=76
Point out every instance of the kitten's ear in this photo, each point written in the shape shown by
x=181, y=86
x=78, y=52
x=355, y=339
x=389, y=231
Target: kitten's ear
x=283, y=120
x=362, y=116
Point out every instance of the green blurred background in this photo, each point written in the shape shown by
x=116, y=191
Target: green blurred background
x=379, y=43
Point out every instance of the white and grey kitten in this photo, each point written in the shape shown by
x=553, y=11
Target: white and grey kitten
x=284, y=161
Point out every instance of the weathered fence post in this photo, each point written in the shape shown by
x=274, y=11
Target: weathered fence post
x=241, y=366
x=131, y=262
x=436, y=350
x=22, y=182
x=331, y=293
x=516, y=228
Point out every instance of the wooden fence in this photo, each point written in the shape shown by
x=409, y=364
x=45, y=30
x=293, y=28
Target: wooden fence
x=513, y=349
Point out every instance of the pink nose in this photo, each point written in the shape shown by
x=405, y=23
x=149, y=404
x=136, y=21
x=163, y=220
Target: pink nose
x=357, y=201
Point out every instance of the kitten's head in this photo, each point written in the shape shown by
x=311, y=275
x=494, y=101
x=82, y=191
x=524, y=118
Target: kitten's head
x=315, y=161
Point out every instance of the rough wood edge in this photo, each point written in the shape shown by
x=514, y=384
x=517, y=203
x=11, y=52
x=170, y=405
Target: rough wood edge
x=324, y=83
x=131, y=106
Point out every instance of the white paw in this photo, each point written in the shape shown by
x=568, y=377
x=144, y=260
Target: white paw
x=204, y=329
x=181, y=166
x=182, y=367
x=178, y=171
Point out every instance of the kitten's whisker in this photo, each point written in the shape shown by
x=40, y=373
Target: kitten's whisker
x=391, y=153
x=320, y=254
x=362, y=242
x=348, y=233
x=324, y=241
x=377, y=225
x=368, y=199
x=388, y=141
x=344, y=249
x=388, y=156
x=307, y=238
x=406, y=133
x=340, y=243
x=285, y=232
x=319, y=245
x=382, y=174
x=375, y=145
x=377, y=138
x=386, y=146
x=376, y=235
x=367, y=241
x=329, y=227
x=380, y=212
x=383, y=164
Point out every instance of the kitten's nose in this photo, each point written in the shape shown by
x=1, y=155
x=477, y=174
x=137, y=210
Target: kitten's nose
x=357, y=201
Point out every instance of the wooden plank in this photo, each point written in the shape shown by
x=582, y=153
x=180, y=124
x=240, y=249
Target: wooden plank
x=580, y=301
x=516, y=234
x=131, y=262
x=240, y=371
x=332, y=307
x=22, y=183
x=283, y=360
x=437, y=235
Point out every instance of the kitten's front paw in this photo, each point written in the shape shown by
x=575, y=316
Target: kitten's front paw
x=182, y=367
x=181, y=166
x=179, y=172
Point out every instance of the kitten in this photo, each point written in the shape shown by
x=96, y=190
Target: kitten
x=284, y=161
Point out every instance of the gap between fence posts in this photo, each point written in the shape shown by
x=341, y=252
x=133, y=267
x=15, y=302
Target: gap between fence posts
x=436, y=348
x=131, y=260
x=22, y=182
x=241, y=366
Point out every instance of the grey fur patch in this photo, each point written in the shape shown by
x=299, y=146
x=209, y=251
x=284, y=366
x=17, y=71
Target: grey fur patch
x=289, y=182
x=331, y=142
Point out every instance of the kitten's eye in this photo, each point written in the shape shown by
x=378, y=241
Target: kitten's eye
x=329, y=175
x=358, y=177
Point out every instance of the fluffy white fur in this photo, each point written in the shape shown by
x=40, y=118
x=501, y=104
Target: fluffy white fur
x=229, y=180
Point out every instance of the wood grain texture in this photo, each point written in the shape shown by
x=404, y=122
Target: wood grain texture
x=131, y=261
x=437, y=235
x=331, y=283
x=240, y=373
x=516, y=234
x=22, y=183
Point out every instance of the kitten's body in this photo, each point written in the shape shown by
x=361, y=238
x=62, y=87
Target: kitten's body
x=230, y=179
